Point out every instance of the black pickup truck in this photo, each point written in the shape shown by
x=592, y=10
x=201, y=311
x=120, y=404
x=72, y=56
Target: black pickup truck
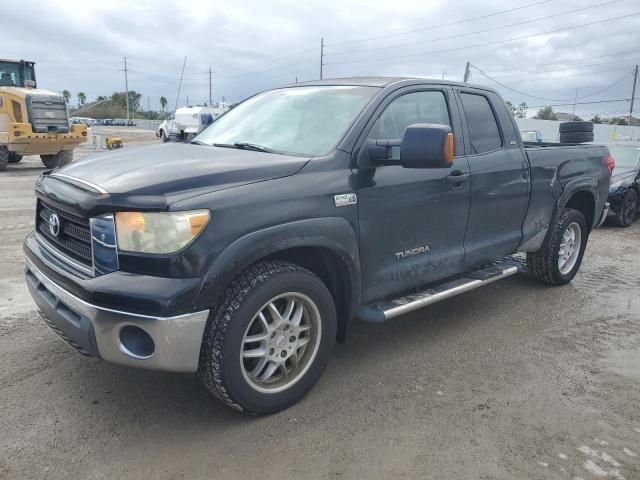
x=243, y=255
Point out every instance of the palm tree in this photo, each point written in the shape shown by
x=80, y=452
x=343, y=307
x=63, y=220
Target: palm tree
x=82, y=98
x=163, y=104
x=67, y=95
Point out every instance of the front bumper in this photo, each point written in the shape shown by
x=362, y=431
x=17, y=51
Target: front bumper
x=21, y=139
x=115, y=336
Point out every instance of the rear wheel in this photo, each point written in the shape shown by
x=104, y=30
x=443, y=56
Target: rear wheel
x=4, y=158
x=559, y=259
x=268, y=342
x=628, y=209
x=57, y=160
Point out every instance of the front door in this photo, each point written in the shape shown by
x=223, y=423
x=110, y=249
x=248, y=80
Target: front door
x=412, y=221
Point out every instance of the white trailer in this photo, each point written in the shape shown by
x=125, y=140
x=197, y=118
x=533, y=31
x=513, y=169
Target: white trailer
x=187, y=121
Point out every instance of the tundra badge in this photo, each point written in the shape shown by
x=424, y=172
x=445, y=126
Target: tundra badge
x=412, y=252
x=345, y=199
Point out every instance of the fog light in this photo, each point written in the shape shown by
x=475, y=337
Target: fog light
x=135, y=342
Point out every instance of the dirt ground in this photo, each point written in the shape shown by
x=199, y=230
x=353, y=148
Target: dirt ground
x=513, y=381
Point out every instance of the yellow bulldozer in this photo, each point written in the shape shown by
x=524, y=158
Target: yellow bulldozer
x=33, y=121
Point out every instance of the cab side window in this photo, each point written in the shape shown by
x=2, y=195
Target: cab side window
x=484, y=133
x=416, y=107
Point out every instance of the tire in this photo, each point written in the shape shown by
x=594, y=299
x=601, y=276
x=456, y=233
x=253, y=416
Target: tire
x=58, y=160
x=576, y=137
x=567, y=127
x=4, y=158
x=163, y=136
x=14, y=157
x=544, y=265
x=628, y=209
x=229, y=375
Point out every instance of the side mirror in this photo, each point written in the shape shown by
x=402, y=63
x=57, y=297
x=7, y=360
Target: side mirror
x=427, y=145
x=29, y=84
x=423, y=145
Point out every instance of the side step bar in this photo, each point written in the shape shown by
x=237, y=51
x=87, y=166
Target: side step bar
x=385, y=310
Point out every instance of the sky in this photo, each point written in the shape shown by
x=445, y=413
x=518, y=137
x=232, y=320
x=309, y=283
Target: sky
x=542, y=52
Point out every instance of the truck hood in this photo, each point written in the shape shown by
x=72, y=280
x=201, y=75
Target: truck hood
x=23, y=92
x=179, y=170
x=624, y=173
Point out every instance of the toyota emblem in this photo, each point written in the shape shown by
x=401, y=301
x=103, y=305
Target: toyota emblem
x=54, y=225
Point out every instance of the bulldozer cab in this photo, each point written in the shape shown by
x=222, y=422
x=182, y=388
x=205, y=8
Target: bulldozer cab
x=17, y=74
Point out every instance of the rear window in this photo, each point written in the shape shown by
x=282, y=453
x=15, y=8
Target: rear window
x=484, y=133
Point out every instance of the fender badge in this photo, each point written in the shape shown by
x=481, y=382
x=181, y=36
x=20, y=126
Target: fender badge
x=345, y=199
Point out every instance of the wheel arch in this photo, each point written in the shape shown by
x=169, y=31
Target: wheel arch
x=325, y=246
x=584, y=201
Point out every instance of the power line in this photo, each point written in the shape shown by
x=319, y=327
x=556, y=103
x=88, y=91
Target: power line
x=499, y=68
x=607, y=88
x=485, y=44
x=434, y=27
x=460, y=35
x=568, y=69
x=583, y=103
x=514, y=90
x=544, y=98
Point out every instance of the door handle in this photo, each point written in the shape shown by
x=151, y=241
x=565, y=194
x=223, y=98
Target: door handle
x=456, y=178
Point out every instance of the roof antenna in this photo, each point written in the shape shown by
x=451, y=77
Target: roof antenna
x=177, y=97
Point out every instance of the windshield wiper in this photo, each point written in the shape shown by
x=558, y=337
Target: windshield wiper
x=245, y=146
x=198, y=142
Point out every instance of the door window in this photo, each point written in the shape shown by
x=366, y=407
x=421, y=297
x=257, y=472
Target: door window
x=417, y=107
x=484, y=133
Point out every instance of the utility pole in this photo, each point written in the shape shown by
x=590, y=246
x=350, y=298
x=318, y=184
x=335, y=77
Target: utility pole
x=148, y=104
x=126, y=86
x=321, y=56
x=467, y=72
x=575, y=100
x=210, y=86
x=633, y=94
x=187, y=100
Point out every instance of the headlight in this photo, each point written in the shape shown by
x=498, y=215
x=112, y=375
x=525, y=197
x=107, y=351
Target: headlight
x=158, y=232
x=614, y=186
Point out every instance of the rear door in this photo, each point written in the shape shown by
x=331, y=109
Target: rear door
x=412, y=221
x=499, y=178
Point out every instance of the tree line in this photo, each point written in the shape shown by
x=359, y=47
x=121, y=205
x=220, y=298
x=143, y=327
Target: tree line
x=114, y=106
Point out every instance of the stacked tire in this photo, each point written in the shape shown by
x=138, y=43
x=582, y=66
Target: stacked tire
x=576, y=132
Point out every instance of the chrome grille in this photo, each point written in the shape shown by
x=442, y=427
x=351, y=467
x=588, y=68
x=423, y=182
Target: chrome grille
x=47, y=113
x=74, y=239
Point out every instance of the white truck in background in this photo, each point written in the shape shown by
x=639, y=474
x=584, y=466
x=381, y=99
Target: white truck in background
x=182, y=125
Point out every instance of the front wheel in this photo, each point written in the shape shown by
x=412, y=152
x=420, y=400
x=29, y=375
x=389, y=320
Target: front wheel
x=14, y=157
x=270, y=339
x=628, y=209
x=559, y=259
x=4, y=157
x=57, y=160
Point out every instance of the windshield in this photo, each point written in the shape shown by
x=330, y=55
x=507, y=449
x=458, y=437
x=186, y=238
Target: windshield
x=10, y=74
x=625, y=156
x=298, y=120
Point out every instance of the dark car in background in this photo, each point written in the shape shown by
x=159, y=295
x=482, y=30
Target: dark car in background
x=624, y=192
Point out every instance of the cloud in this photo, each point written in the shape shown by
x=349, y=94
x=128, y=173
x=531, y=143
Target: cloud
x=253, y=45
